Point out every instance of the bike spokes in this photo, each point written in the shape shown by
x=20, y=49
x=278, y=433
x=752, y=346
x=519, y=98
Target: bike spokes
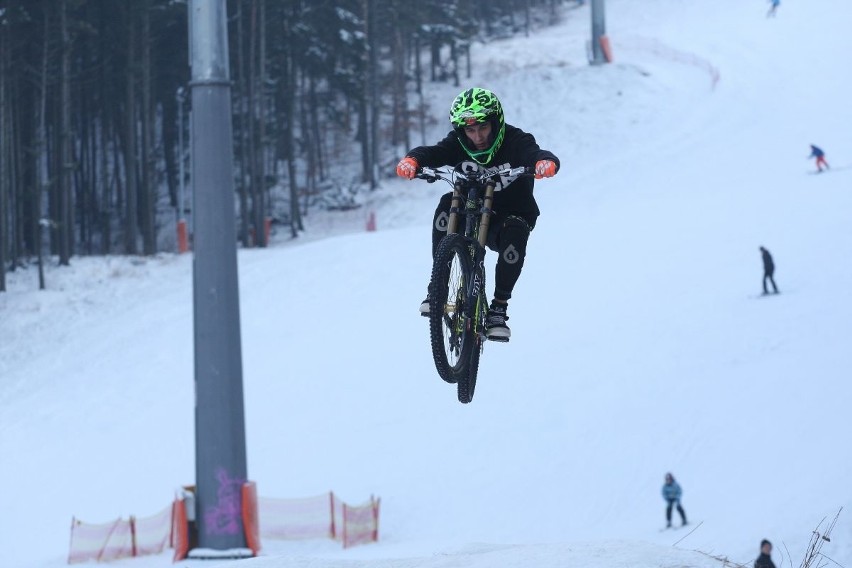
x=454, y=318
x=449, y=324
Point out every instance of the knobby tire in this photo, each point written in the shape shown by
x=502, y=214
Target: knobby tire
x=467, y=383
x=451, y=344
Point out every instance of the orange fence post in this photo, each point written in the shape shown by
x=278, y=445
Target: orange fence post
x=606, y=48
x=132, y=536
x=183, y=238
x=332, y=527
x=250, y=521
x=180, y=530
x=375, y=518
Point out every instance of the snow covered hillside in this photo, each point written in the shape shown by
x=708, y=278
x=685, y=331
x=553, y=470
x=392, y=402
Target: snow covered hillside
x=640, y=344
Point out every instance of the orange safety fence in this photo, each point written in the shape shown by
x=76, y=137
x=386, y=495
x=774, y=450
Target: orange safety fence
x=361, y=524
x=296, y=519
x=322, y=516
x=120, y=538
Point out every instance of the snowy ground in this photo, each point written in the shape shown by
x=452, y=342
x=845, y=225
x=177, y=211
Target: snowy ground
x=639, y=343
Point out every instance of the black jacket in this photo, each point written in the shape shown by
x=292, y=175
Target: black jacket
x=764, y=561
x=513, y=196
x=768, y=265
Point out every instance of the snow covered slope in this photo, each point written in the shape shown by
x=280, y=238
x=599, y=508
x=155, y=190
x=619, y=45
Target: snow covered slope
x=639, y=344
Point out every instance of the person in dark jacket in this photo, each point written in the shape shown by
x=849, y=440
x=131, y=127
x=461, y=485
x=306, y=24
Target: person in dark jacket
x=816, y=152
x=672, y=493
x=482, y=140
x=768, y=271
x=764, y=560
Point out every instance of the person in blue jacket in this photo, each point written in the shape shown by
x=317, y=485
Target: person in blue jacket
x=816, y=152
x=672, y=493
x=773, y=6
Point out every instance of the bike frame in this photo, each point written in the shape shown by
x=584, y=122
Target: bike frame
x=477, y=235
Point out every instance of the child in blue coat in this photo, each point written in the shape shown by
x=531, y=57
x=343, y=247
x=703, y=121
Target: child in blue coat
x=672, y=493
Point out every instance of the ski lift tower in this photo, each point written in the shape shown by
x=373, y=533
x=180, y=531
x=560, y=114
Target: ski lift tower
x=220, y=441
x=599, y=41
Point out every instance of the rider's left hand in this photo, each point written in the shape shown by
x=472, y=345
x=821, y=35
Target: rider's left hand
x=545, y=169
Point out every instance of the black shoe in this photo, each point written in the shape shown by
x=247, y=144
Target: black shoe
x=495, y=323
x=424, y=307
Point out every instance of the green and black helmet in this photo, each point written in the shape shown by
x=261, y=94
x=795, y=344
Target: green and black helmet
x=477, y=106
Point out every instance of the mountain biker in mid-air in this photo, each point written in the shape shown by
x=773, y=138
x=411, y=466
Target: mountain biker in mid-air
x=481, y=134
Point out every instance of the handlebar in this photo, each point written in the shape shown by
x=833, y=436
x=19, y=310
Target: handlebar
x=432, y=175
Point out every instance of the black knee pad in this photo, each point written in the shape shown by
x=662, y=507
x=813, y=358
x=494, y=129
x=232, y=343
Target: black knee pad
x=442, y=213
x=440, y=221
x=512, y=240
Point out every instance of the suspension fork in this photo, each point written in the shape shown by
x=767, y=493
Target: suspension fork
x=455, y=209
x=485, y=217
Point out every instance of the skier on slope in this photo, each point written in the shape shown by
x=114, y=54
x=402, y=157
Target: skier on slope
x=773, y=7
x=768, y=270
x=672, y=493
x=816, y=152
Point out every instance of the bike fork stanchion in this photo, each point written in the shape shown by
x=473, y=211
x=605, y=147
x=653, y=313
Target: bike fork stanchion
x=455, y=208
x=485, y=219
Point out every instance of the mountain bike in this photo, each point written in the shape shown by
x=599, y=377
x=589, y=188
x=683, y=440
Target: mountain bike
x=458, y=302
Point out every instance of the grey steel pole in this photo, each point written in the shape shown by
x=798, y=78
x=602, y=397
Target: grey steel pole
x=598, y=30
x=181, y=99
x=220, y=445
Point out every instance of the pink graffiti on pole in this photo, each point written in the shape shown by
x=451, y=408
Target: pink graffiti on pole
x=224, y=517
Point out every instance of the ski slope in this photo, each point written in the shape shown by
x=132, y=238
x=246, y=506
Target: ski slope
x=639, y=344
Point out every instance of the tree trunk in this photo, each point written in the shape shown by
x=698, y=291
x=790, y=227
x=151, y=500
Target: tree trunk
x=288, y=95
x=261, y=165
x=148, y=192
x=4, y=157
x=131, y=221
x=66, y=228
x=242, y=134
x=401, y=127
x=373, y=91
x=418, y=74
x=41, y=145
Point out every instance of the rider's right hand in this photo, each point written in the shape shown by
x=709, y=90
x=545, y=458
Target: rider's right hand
x=407, y=168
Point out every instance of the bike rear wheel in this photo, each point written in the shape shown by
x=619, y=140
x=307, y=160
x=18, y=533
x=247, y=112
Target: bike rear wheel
x=449, y=328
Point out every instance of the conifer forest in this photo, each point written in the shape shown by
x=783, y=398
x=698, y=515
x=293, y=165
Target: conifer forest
x=95, y=110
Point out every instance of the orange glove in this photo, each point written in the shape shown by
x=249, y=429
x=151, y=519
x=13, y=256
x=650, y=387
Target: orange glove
x=407, y=168
x=543, y=169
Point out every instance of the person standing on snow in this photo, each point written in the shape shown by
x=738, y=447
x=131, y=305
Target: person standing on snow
x=764, y=560
x=672, y=493
x=768, y=270
x=816, y=152
x=481, y=140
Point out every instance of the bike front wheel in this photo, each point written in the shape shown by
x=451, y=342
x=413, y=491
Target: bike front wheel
x=467, y=382
x=450, y=329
